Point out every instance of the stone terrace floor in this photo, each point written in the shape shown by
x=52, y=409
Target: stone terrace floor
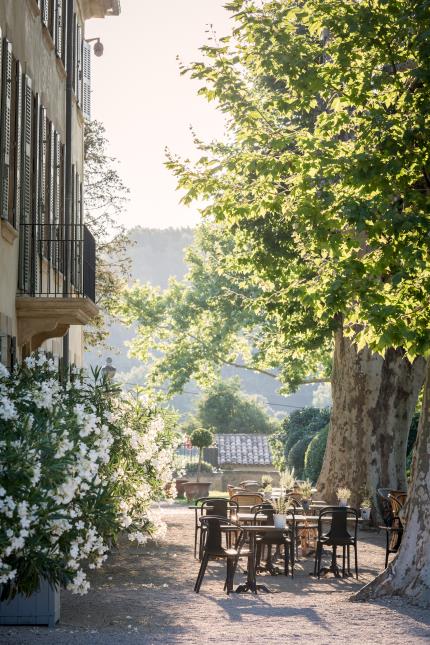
x=145, y=595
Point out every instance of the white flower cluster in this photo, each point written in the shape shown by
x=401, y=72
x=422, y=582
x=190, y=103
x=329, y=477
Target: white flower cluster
x=64, y=462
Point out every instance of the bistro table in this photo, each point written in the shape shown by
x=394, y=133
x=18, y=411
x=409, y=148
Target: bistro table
x=251, y=576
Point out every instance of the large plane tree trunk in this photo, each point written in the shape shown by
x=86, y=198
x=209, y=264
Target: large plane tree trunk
x=374, y=399
x=409, y=573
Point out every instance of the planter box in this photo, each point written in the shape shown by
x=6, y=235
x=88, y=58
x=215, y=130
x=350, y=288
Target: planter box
x=180, y=486
x=41, y=608
x=195, y=490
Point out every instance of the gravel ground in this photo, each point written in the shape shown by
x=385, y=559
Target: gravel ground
x=144, y=596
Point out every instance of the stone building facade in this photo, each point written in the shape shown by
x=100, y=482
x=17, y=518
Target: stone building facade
x=47, y=255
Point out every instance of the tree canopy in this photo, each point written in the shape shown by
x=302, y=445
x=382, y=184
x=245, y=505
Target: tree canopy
x=226, y=409
x=105, y=196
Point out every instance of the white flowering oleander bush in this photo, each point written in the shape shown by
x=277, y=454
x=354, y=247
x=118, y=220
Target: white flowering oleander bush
x=80, y=462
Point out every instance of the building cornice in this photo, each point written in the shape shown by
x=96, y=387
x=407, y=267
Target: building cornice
x=100, y=8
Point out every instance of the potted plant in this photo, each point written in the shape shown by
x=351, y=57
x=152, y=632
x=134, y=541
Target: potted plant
x=343, y=495
x=266, y=483
x=200, y=438
x=281, y=506
x=365, y=509
x=305, y=490
x=286, y=480
x=179, y=477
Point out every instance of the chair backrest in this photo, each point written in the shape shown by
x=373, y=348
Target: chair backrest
x=295, y=503
x=252, y=487
x=263, y=509
x=387, y=513
x=213, y=534
x=338, y=532
x=397, y=500
x=247, y=499
x=215, y=506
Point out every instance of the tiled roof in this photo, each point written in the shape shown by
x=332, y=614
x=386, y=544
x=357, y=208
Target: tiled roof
x=246, y=449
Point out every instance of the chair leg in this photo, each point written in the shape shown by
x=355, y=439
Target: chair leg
x=230, y=575
x=202, y=570
x=318, y=559
x=286, y=557
x=356, y=561
x=195, y=542
x=343, y=560
x=349, y=559
x=387, y=548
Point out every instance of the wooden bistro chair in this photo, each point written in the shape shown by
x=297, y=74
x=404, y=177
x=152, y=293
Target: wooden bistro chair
x=212, y=528
x=337, y=535
x=247, y=499
x=392, y=502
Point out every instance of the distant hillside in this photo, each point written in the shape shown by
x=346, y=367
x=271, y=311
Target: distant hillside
x=157, y=255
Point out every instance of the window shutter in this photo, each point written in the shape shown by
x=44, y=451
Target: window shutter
x=59, y=28
x=86, y=80
x=72, y=229
x=43, y=163
x=79, y=65
x=26, y=275
x=6, y=99
x=45, y=12
x=36, y=201
x=18, y=143
x=64, y=33
x=50, y=191
x=53, y=21
x=56, y=234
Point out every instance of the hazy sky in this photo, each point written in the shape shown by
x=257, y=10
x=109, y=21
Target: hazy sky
x=146, y=105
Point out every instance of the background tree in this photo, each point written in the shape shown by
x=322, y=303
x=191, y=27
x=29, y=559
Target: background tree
x=226, y=409
x=297, y=432
x=305, y=130
x=201, y=438
x=105, y=196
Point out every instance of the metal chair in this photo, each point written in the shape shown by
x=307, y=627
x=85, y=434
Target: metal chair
x=272, y=539
x=337, y=535
x=220, y=506
x=212, y=528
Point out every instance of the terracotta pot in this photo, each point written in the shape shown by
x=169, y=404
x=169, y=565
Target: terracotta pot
x=194, y=490
x=180, y=486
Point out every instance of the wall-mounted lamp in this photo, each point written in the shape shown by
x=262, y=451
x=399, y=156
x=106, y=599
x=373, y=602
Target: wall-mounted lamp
x=98, y=46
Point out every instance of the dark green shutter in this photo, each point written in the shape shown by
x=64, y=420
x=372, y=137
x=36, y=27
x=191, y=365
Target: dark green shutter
x=18, y=143
x=43, y=174
x=6, y=100
x=79, y=65
x=59, y=28
x=45, y=13
x=26, y=283
x=86, y=80
x=36, y=202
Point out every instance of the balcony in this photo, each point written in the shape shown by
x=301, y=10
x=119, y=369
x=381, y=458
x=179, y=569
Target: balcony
x=47, y=303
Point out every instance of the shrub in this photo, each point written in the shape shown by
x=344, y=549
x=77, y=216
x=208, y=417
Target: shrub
x=315, y=454
x=296, y=456
x=192, y=467
x=79, y=462
x=297, y=431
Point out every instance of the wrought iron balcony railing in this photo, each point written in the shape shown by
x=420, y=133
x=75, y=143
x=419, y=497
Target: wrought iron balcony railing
x=57, y=261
